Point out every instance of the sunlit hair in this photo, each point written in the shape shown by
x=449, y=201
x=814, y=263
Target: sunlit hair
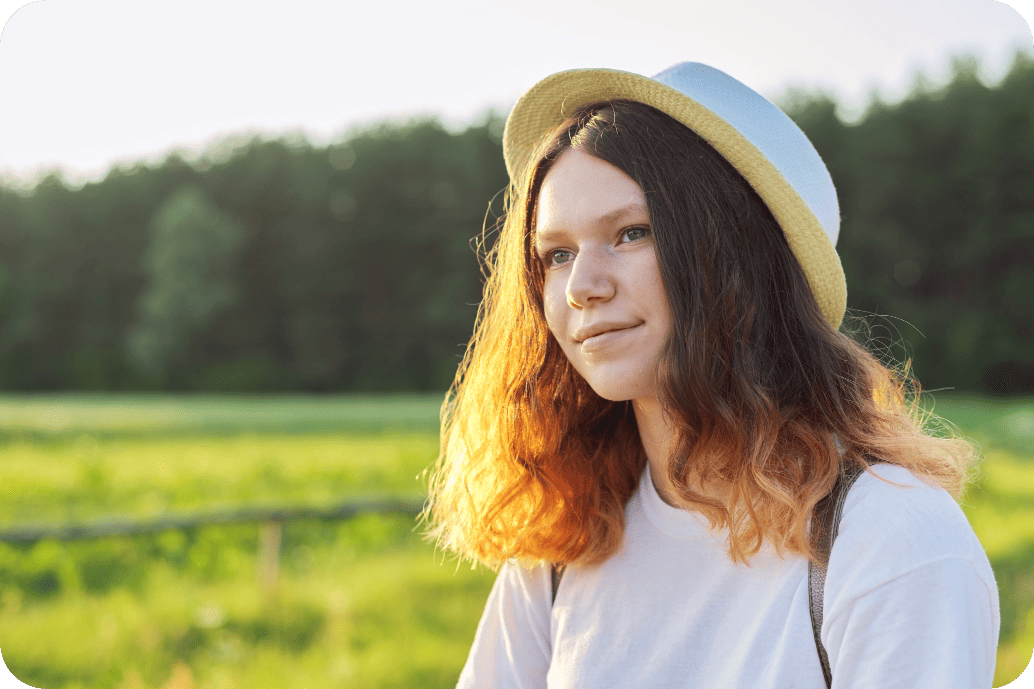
x=535, y=466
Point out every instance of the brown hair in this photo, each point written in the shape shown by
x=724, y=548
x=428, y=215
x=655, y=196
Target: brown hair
x=760, y=389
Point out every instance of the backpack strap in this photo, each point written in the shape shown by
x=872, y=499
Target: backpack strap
x=825, y=523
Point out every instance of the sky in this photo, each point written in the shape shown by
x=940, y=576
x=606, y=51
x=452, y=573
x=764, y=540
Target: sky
x=88, y=84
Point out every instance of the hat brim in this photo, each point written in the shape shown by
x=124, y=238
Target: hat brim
x=541, y=110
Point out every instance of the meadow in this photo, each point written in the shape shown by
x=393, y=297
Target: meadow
x=361, y=602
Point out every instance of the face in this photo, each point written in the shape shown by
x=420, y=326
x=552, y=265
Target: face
x=603, y=297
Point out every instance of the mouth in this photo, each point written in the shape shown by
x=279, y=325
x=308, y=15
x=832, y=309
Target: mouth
x=602, y=338
x=586, y=333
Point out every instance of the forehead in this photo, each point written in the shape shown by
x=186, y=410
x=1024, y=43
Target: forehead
x=581, y=189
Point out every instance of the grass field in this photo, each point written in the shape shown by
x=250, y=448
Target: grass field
x=362, y=602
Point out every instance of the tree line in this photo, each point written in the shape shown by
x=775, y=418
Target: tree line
x=278, y=265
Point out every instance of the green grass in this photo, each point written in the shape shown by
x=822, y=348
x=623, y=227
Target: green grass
x=990, y=422
x=363, y=603
x=81, y=478
x=69, y=415
x=357, y=603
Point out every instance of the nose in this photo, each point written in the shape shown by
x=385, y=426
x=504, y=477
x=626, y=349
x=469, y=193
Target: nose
x=589, y=280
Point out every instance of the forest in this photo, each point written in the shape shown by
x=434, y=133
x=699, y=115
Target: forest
x=269, y=265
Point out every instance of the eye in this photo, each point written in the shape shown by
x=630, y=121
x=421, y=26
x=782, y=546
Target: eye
x=556, y=257
x=634, y=234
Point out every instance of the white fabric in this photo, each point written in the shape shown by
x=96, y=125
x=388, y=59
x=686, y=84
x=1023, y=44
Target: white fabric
x=910, y=602
x=767, y=127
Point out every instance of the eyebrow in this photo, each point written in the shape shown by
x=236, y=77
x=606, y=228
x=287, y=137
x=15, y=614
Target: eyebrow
x=606, y=219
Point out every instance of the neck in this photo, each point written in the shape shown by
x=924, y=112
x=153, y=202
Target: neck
x=655, y=432
x=656, y=435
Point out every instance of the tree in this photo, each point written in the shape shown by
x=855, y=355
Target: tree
x=193, y=248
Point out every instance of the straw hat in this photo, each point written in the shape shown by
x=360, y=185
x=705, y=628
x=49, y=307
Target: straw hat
x=758, y=138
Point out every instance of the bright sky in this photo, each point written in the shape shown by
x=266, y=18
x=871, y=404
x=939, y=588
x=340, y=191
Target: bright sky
x=85, y=84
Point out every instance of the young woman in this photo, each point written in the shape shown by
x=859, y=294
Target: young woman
x=657, y=397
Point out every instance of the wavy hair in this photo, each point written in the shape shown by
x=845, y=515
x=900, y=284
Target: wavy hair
x=767, y=401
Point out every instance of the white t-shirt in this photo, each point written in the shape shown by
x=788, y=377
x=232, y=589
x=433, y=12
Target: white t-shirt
x=910, y=603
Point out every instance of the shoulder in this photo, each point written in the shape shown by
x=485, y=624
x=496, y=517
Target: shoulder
x=532, y=582
x=898, y=530
x=512, y=646
x=523, y=594
x=892, y=514
x=910, y=598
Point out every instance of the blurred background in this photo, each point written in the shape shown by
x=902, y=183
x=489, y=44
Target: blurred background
x=237, y=275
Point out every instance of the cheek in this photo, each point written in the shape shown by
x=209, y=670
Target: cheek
x=554, y=304
x=663, y=311
x=653, y=285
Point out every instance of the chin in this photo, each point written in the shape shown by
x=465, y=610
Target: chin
x=620, y=383
x=612, y=397
x=616, y=392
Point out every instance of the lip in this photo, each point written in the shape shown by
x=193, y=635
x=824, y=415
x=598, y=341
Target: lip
x=601, y=328
x=604, y=338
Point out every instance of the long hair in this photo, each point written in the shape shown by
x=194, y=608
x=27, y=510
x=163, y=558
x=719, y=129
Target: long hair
x=767, y=401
